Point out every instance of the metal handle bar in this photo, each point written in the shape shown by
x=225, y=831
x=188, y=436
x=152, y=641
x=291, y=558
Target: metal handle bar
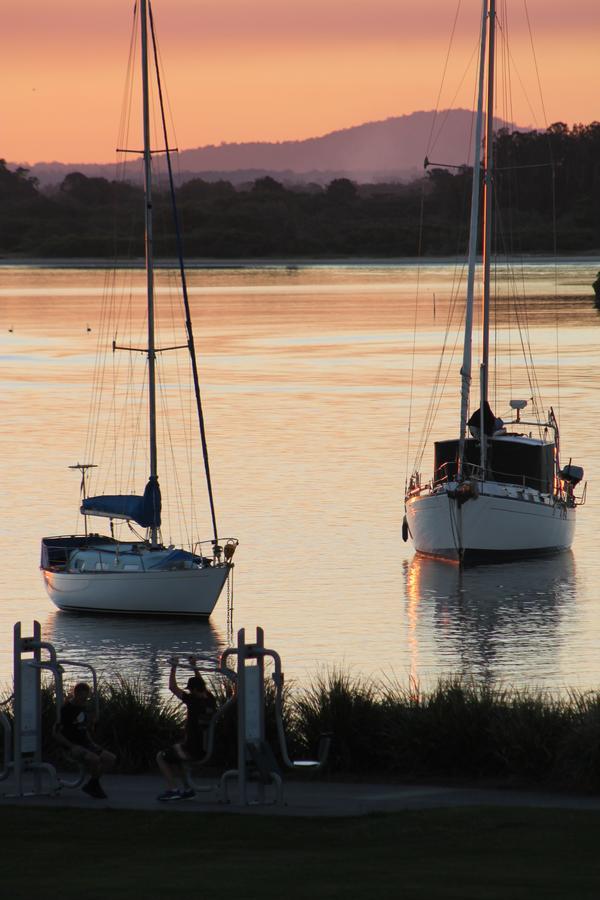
x=7, y=730
x=83, y=665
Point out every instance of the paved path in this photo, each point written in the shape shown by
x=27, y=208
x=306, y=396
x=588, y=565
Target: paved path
x=310, y=798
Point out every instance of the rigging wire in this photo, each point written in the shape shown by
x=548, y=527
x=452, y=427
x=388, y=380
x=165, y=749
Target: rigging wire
x=514, y=280
x=414, y=339
x=117, y=426
x=430, y=142
x=553, y=166
x=435, y=398
x=184, y=288
x=535, y=62
x=440, y=383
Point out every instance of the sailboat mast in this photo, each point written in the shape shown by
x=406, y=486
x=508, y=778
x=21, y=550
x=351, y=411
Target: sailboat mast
x=149, y=247
x=487, y=229
x=466, y=367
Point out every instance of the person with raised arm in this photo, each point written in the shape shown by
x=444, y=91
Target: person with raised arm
x=200, y=706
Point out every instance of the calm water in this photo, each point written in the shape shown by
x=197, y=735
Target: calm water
x=307, y=386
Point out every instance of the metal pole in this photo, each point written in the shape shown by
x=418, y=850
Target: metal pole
x=18, y=765
x=466, y=367
x=149, y=246
x=487, y=242
x=241, y=694
x=260, y=662
x=37, y=756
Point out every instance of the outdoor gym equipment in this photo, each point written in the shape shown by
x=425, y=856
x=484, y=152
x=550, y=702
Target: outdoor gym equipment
x=23, y=739
x=189, y=766
x=256, y=760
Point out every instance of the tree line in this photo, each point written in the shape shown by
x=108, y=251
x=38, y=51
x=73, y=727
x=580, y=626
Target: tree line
x=548, y=198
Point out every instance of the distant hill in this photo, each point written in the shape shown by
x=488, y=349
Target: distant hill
x=375, y=151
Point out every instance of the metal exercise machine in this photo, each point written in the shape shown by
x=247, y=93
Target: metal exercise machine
x=256, y=760
x=23, y=738
x=191, y=766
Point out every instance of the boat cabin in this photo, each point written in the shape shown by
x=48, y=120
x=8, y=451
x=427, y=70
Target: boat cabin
x=511, y=459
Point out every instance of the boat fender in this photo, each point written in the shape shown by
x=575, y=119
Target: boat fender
x=405, y=531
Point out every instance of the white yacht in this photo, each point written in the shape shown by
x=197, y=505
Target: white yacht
x=499, y=490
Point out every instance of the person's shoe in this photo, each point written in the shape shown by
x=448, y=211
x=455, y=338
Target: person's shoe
x=169, y=795
x=188, y=794
x=94, y=789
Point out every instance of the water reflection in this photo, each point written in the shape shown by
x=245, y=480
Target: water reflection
x=494, y=621
x=132, y=647
x=293, y=376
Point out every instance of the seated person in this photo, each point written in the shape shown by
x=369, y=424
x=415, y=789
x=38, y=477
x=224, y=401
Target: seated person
x=201, y=707
x=491, y=423
x=73, y=734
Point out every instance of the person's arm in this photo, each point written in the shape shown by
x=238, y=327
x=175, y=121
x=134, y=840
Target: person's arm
x=173, y=686
x=60, y=738
x=194, y=664
x=59, y=730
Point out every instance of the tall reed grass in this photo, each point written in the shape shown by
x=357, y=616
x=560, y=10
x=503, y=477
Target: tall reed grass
x=458, y=730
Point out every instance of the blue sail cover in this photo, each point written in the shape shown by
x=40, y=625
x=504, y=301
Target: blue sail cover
x=143, y=510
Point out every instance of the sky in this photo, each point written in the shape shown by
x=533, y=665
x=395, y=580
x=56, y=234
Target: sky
x=273, y=70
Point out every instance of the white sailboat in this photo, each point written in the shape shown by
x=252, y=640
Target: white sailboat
x=498, y=490
x=91, y=572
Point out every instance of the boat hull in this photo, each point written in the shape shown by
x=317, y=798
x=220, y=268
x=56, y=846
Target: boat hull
x=491, y=526
x=190, y=592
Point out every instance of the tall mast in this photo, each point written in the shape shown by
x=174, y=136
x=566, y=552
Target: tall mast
x=466, y=367
x=487, y=231
x=149, y=250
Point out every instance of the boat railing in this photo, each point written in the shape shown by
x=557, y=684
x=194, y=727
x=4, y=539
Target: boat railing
x=445, y=473
x=216, y=554
x=472, y=471
x=519, y=479
x=533, y=424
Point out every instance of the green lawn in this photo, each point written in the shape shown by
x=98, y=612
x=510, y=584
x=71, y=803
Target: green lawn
x=463, y=853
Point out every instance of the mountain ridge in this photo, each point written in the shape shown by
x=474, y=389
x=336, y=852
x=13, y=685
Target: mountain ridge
x=393, y=148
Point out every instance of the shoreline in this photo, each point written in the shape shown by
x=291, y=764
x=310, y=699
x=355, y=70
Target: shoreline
x=289, y=263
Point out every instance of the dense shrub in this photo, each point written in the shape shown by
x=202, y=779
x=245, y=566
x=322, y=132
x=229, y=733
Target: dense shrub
x=458, y=730
x=542, y=176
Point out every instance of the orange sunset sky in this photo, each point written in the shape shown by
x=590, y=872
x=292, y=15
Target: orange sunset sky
x=241, y=70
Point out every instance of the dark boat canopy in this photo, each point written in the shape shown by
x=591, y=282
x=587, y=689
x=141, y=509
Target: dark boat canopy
x=144, y=510
x=510, y=460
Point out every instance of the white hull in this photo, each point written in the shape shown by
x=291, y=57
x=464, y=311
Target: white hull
x=189, y=592
x=502, y=522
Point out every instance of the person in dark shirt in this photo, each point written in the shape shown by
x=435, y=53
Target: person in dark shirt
x=201, y=707
x=73, y=734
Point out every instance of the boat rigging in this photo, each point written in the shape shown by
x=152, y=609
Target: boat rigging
x=95, y=573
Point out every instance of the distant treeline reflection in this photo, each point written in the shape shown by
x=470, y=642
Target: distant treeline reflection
x=542, y=177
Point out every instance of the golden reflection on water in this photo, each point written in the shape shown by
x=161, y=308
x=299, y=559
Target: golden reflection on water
x=306, y=379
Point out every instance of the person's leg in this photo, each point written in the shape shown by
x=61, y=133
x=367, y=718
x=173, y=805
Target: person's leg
x=93, y=764
x=107, y=761
x=167, y=769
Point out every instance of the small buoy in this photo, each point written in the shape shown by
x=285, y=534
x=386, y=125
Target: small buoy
x=405, y=531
